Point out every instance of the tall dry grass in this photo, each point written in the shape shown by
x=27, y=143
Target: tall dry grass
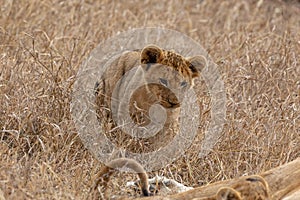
x=43, y=43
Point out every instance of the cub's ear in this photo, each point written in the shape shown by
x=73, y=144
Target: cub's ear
x=197, y=65
x=151, y=54
x=227, y=193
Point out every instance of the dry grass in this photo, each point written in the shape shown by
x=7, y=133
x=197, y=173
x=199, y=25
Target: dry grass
x=43, y=43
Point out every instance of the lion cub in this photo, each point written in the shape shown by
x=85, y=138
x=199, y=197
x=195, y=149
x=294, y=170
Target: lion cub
x=246, y=188
x=134, y=82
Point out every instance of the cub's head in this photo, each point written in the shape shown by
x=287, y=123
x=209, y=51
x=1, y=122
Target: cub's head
x=188, y=68
x=245, y=188
x=170, y=71
x=253, y=187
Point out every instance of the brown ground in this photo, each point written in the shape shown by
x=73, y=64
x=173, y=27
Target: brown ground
x=43, y=43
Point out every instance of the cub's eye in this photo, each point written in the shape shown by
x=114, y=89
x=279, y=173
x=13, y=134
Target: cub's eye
x=183, y=84
x=163, y=81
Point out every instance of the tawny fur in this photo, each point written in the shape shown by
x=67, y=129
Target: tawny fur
x=224, y=193
x=245, y=188
x=107, y=171
x=148, y=61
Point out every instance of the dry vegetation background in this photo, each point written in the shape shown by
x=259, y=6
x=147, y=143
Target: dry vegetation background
x=43, y=43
